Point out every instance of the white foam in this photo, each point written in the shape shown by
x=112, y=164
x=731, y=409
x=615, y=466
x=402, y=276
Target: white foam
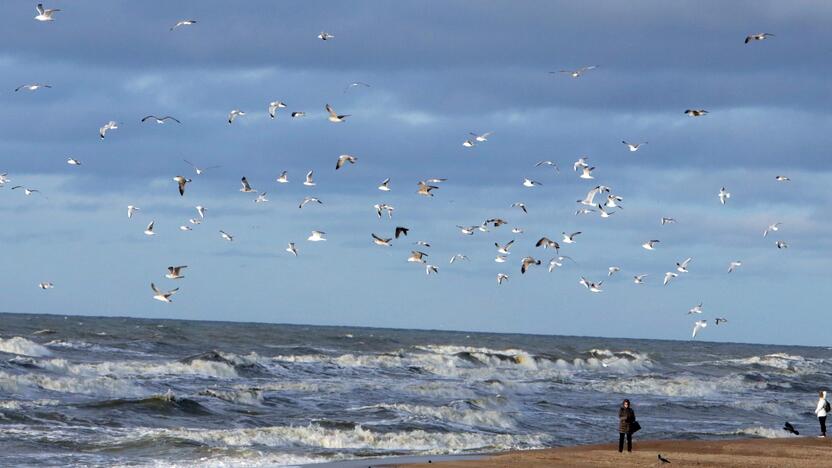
x=105, y=385
x=764, y=432
x=22, y=346
x=469, y=417
x=199, y=367
x=685, y=386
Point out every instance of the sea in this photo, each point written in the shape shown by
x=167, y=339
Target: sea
x=97, y=391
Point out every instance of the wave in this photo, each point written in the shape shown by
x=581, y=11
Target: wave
x=103, y=385
x=167, y=404
x=196, y=367
x=245, y=396
x=466, y=415
x=762, y=432
x=22, y=346
x=684, y=386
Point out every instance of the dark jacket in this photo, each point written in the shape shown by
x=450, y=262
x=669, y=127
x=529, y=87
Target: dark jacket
x=626, y=416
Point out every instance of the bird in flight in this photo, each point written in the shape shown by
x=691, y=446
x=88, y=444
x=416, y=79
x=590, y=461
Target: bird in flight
x=163, y=296
x=161, y=120
x=187, y=22
x=174, y=272
x=697, y=326
x=633, y=147
x=232, y=116
x=274, y=106
x=32, y=87
x=325, y=36
x=334, y=117
x=650, y=245
x=343, y=159
x=45, y=14
x=246, y=188
x=111, y=125
x=199, y=170
x=695, y=112
x=734, y=265
x=181, y=181
x=757, y=37
x=723, y=195
x=355, y=84
x=577, y=73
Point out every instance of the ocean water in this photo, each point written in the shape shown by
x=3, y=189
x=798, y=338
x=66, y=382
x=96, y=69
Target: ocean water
x=123, y=391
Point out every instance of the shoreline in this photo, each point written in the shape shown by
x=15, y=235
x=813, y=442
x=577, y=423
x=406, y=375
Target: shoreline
x=787, y=452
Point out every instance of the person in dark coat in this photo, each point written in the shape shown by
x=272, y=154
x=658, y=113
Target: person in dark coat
x=626, y=417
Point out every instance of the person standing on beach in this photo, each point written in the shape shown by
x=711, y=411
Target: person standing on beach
x=626, y=418
x=821, y=410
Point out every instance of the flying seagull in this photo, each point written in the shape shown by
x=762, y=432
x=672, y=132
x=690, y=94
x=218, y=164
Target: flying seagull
x=163, y=296
x=577, y=73
x=261, y=198
x=734, y=265
x=234, y=114
x=558, y=262
x=695, y=112
x=665, y=220
x=757, y=37
x=111, y=125
x=527, y=262
x=593, y=287
x=719, y=320
x=723, y=195
x=586, y=172
x=298, y=114
x=504, y=249
x=200, y=211
x=668, y=277
x=698, y=325
x=199, y=170
x=181, y=181
x=26, y=190
x=274, y=106
x=650, y=245
x=682, y=267
x=772, y=227
x=547, y=243
x=316, y=236
x=355, y=84
x=530, y=183
x=385, y=185
x=187, y=22
x=325, y=36
x=781, y=244
x=401, y=231
x=697, y=309
x=309, y=182
x=334, y=116
x=174, y=272
x=32, y=87
x=307, y=200
x=639, y=279
x=381, y=241
x=548, y=163
x=132, y=210
x=73, y=162
x=424, y=189
x=226, y=236
x=431, y=269
x=613, y=270
x=46, y=285
x=384, y=207
x=283, y=178
x=149, y=230
x=782, y=178
x=633, y=147
x=458, y=257
x=520, y=205
x=161, y=120
x=416, y=256
x=291, y=249
x=343, y=159
x=501, y=277
x=569, y=238
x=45, y=14
x=480, y=138
x=246, y=188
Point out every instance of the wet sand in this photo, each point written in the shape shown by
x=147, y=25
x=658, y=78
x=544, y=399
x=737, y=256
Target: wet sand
x=781, y=453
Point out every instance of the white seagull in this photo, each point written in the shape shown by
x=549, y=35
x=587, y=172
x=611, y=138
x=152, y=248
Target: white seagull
x=261, y=198
x=697, y=309
x=187, y=22
x=199, y=170
x=132, y=210
x=385, y=185
x=569, y=238
x=32, y=87
x=757, y=37
x=316, y=236
x=665, y=220
x=458, y=257
x=782, y=178
x=111, y=125
x=772, y=227
x=161, y=120
x=586, y=172
x=174, y=272
x=734, y=265
x=226, y=236
x=181, y=181
x=200, y=211
x=723, y=195
x=577, y=73
x=698, y=325
x=45, y=14
x=46, y=285
x=163, y=296
x=283, y=178
x=381, y=241
x=309, y=182
x=246, y=188
x=73, y=162
x=501, y=277
x=683, y=266
x=633, y=147
x=650, y=245
x=291, y=249
x=274, y=106
x=307, y=200
x=695, y=112
x=639, y=279
x=234, y=114
x=668, y=277
x=334, y=117
x=149, y=230
x=416, y=256
x=530, y=183
x=325, y=36
x=343, y=159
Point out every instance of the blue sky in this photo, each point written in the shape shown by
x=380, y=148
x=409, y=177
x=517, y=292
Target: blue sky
x=437, y=71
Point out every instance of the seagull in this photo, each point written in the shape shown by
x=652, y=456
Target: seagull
x=149, y=230
x=781, y=244
x=431, y=269
x=698, y=325
x=528, y=262
x=501, y=277
x=46, y=285
x=586, y=172
x=757, y=37
x=316, y=236
x=384, y=207
x=482, y=137
x=669, y=277
x=26, y=191
x=385, y=185
x=334, y=117
x=32, y=87
x=274, y=106
x=613, y=270
x=188, y=22
x=355, y=84
x=185, y=228
x=577, y=73
x=723, y=195
x=111, y=125
x=4, y=179
x=381, y=241
x=467, y=230
x=416, y=256
x=422, y=243
x=580, y=163
x=569, y=238
x=45, y=14
x=530, y=183
x=401, y=231
x=174, y=272
x=667, y=221
x=520, y=205
x=246, y=188
x=500, y=259
x=548, y=163
x=291, y=249
x=309, y=200
x=719, y=320
x=309, y=182
x=604, y=213
x=697, y=309
x=469, y=143
x=162, y=295
x=613, y=201
x=73, y=162
x=639, y=279
x=633, y=147
x=424, y=189
x=181, y=180
x=517, y=230
x=343, y=159
x=194, y=221
x=772, y=227
x=683, y=266
x=226, y=236
x=695, y=112
x=234, y=114
x=504, y=249
x=283, y=178
x=325, y=36
x=298, y=114
x=458, y=257
x=200, y=211
x=161, y=120
x=593, y=287
x=663, y=459
x=131, y=210
x=734, y=265
x=589, y=200
x=547, y=243
x=558, y=262
x=650, y=245
x=782, y=178
x=261, y=198
x=199, y=170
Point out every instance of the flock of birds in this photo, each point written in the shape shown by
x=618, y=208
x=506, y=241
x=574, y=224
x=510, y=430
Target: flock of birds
x=599, y=200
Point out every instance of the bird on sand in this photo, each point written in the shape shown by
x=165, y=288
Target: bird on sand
x=163, y=296
x=663, y=459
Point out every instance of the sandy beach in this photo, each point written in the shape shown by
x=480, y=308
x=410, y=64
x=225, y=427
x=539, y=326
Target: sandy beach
x=781, y=453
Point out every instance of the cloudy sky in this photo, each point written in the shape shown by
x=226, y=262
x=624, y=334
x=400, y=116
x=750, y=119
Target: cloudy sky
x=437, y=71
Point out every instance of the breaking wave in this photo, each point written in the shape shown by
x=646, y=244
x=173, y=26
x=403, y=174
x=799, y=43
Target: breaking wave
x=24, y=347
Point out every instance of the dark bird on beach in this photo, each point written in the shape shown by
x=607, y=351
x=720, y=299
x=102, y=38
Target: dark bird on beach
x=663, y=459
x=789, y=428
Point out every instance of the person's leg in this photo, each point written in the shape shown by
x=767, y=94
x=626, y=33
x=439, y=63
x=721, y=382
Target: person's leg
x=822, y=425
x=620, y=441
x=629, y=441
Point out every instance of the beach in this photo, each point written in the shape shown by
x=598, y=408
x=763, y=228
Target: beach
x=781, y=453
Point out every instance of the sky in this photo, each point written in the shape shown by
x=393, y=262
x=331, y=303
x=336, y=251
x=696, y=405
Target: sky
x=437, y=71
